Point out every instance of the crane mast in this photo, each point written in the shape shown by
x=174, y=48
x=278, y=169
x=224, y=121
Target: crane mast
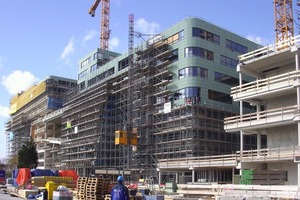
x=104, y=28
x=284, y=26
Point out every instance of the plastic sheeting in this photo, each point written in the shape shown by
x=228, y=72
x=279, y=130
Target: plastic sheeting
x=41, y=172
x=23, y=176
x=69, y=173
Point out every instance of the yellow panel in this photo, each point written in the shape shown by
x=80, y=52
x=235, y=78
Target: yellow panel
x=69, y=125
x=170, y=40
x=121, y=137
x=24, y=98
x=175, y=37
x=133, y=140
x=13, y=108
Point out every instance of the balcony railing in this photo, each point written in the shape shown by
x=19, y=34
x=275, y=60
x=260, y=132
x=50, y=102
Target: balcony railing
x=269, y=154
x=270, y=49
x=262, y=86
x=258, y=155
x=279, y=115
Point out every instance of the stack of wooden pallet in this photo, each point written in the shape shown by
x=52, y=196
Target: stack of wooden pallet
x=263, y=177
x=92, y=188
x=81, y=183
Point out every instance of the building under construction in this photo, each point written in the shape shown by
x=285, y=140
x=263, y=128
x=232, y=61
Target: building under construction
x=164, y=99
x=30, y=119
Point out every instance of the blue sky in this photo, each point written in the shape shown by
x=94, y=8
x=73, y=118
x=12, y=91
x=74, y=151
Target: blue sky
x=40, y=38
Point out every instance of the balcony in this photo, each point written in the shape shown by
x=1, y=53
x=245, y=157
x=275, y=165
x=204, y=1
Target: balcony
x=267, y=118
x=269, y=87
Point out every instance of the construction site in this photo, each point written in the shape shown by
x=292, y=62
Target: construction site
x=196, y=108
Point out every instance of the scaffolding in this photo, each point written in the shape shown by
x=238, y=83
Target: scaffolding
x=140, y=99
x=27, y=121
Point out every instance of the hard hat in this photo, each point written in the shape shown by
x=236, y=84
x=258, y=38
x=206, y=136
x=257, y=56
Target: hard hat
x=120, y=178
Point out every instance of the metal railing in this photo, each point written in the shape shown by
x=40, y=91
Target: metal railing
x=270, y=49
x=278, y=114
x=258, y=155
x=267, y=84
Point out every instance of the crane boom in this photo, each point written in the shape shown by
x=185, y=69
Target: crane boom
x=93, y=8
x=104, y=29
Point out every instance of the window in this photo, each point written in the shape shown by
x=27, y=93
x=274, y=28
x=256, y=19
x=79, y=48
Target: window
x=192, y=71
x=176, y=37
x=197, y=32
x=174, y=56
x=198, y=52
x=98, y=55
x=191, y=95
x=82, y=85
x=93, y=67
x=233, y=46
x=223, y=78
x=229, y=62
x=82, y=74
x=85, y=62
x=123, y=63
x=219, y=96
x=189, y=92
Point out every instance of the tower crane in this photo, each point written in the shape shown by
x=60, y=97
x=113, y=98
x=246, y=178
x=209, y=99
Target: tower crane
x=104, y=28
x=284, y=23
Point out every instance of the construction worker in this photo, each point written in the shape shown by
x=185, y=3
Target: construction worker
x=119, y=191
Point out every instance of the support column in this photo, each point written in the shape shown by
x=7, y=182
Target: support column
x=159, y=178
x=241, y=111
x=176, y=178
x=193, y=176
x=295, y=49
x=258, y=140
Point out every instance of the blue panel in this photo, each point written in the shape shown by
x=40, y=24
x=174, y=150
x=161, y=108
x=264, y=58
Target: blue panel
x=54, y=103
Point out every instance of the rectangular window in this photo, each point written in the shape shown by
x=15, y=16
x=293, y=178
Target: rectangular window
x=175, y=38
x=223, y=78
x=233, y=46
x=85, y=62
x=198, y=52
x=197, y=32
x=123, y=63
x=98, y=55
x=219, y=96
x=229, y=62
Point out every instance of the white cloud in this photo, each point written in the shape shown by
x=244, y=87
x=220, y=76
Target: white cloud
x=18, y=81
x=4, y=111
x=113, y=43
x=260, y=40
x=89, y=35
x=68, y=50
x=147, y=27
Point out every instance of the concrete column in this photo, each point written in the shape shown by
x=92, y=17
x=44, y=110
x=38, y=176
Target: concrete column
x=176, y=178
x=258, y=110
x=193, y=176
x=258, y=140
x=241, y=113
x=295, y=49
x=159, y=177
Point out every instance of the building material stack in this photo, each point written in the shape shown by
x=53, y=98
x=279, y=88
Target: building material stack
x=92, y=188
x=263, y=177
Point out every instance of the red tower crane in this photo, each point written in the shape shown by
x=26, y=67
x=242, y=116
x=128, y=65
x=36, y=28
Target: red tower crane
x=104, y=28
x=284, y=23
